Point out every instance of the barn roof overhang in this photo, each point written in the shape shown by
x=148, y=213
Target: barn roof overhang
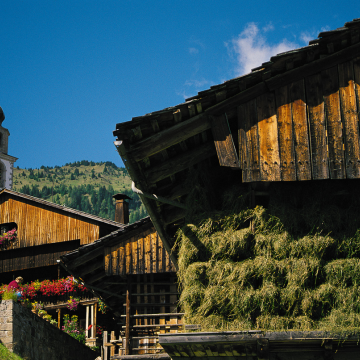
x=293, y=118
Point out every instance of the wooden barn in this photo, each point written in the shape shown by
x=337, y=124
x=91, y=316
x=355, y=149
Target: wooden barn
x=294, y=118
x=292, y=123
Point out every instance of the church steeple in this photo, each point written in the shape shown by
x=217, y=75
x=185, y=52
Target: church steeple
x=6, y=161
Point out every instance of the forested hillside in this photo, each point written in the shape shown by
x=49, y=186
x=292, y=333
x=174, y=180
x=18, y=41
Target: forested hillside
x=82, y=185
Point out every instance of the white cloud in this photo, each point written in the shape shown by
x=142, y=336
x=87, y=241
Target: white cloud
x=268, y=27
x=196, y=83
x=193, y=50
x=305, y=37
x=251, y=48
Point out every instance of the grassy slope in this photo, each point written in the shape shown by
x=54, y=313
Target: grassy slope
x=5, y=354
x=117, y=178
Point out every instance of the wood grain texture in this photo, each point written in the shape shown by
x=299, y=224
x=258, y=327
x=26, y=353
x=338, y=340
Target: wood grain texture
x=286, y=136
x=141, y=254
x=249, y=146
x=316, y=119
x=38, y=225
x=330, y=84
x=224, y=142
x=268, y=138
x=350, y=120
x=299, y=116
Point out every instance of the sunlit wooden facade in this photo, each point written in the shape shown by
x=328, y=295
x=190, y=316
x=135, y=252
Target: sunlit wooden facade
x=141, y=254
x=44, y=231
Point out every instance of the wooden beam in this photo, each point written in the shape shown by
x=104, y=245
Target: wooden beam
x=224, y=142
x=90, y=268
x=179, y=163
x=94, y=278
x=162, y=140
x=84, y=258
x=169, y=216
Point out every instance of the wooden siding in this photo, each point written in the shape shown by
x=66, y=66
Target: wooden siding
x=36, y=256
x=143, y=254
x=308, y=129
x=38, y=225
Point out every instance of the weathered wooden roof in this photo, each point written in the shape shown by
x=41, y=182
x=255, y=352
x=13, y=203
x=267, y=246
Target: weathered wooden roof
x=293, y=118
x=260, y=345
x=62, y=208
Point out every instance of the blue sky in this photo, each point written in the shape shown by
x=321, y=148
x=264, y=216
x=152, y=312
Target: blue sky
x=71, y=70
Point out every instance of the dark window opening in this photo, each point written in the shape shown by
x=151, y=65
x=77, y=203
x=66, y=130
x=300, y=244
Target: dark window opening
x=4, y=228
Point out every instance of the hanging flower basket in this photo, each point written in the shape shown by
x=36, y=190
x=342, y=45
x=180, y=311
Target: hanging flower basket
x=7, y=239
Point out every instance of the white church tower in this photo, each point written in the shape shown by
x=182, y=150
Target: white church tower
x=6, y=161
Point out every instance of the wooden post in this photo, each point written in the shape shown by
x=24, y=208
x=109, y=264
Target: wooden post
x=105, y=352
x=59, y=318
x=87, y=322
x=92, y=332
x=112, y=348
x=127, y=327
x=95, y=320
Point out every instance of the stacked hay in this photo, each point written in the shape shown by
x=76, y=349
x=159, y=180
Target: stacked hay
x=299, y=269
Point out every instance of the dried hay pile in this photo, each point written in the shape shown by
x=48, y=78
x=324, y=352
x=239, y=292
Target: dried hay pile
x=299, y=269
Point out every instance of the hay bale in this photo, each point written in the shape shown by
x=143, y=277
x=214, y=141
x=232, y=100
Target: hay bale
x=298, y=271
x=343, y=272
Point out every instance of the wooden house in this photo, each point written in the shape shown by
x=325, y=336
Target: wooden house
x=294, y=118
x=44, y=232
x=133, y=274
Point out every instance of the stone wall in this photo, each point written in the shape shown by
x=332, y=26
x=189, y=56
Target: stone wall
x=33, y=338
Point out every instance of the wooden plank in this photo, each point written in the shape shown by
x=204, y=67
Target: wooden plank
x=134, y=255
x=286, y=136
x=141, y=253
x=160, y=254
x=154, y=258
x=330, y=84
x=147, y=248
x=252, y=135
x=244, y=154
x=299, y=116
x=114, y=262
x=248, y=135
x=224, y=142
x=350, y=120
x=268, y=138
x=356, y=67
x=107, y=261
x=122, y=259
x=316, y=119
x=128, y=256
